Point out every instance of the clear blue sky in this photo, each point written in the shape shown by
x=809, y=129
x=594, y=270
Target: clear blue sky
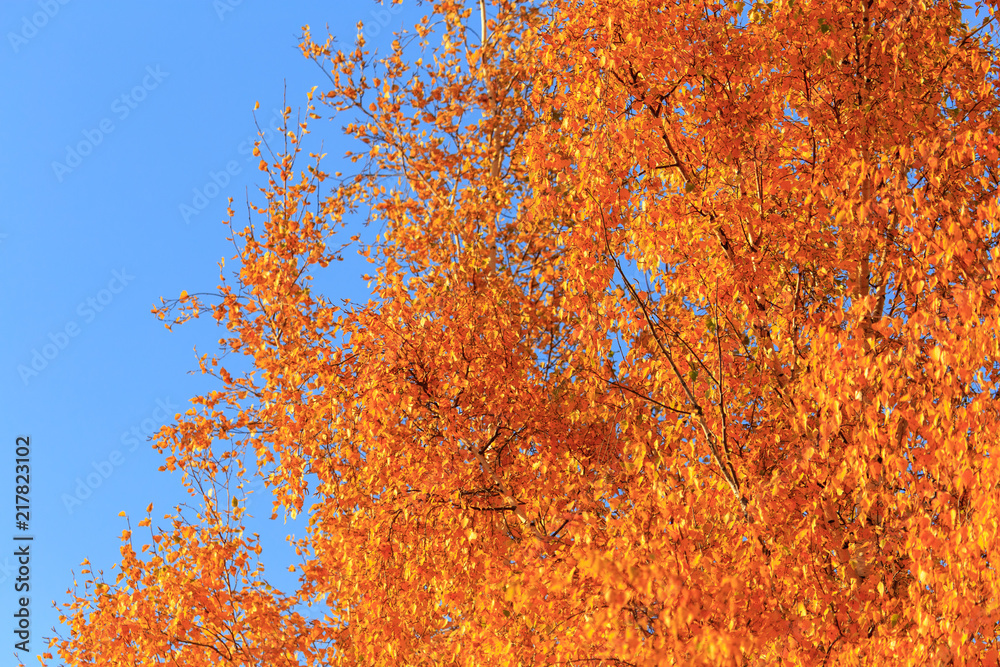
x=114, y=116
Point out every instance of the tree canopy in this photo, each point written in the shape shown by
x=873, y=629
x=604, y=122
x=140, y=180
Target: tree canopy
x=681, y=349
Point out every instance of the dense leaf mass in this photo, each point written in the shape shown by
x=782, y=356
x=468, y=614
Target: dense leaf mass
x=681, y=349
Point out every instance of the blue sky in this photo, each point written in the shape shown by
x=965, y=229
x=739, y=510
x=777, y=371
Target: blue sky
x=125, y=126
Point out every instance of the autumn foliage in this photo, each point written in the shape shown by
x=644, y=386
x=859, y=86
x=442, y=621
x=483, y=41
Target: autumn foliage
x=681, y=349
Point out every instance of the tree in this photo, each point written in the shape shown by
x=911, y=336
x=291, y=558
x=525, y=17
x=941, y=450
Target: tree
x=681, y=350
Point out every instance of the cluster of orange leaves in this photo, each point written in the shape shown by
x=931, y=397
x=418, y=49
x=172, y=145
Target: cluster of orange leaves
x=682, y=349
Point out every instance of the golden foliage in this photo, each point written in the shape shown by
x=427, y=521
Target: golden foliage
x=681, y=350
